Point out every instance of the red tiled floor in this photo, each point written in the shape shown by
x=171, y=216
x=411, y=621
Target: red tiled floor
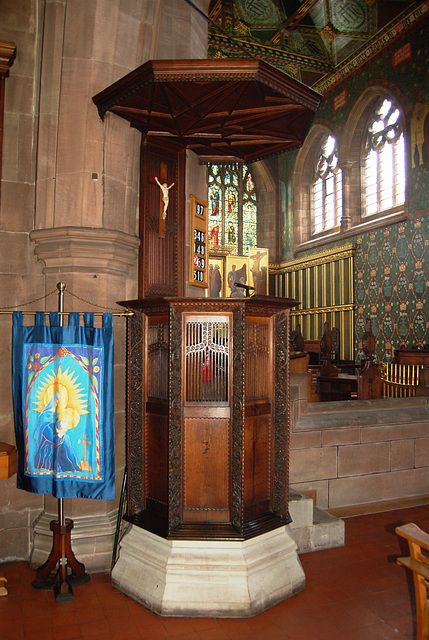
x=356, y=592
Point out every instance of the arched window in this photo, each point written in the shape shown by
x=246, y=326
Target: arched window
x=232, y=207
x=383, y=178
x=327, y=188
x=370, y=187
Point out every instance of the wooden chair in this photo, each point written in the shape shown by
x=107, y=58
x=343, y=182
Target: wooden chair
x=418, y=563
x=369, y=377
x=335, y=337
x=328, y=369
x=3, y=581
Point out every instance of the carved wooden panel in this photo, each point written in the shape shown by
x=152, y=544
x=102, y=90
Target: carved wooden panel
x=135, y=413
x=281, y=414
x=157, y=359
x=175, y=421
x=207, y=359
x=237, y=427
x=156, y=422
x=161, y=263
x=258, y=360
x=206, y=464
x=156, y=446
x=258, y=436
x=207, y=416
x=257, y=465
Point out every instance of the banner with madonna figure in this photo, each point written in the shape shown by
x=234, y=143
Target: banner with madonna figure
x=63, y=406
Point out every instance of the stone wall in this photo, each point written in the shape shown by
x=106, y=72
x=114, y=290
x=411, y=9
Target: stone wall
x=354, y=453
x=69, y=207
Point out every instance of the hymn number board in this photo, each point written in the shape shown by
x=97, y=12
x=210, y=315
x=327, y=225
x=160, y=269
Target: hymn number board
x=198, y=271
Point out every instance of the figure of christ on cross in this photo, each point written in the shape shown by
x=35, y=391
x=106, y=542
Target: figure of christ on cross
x=164, y=196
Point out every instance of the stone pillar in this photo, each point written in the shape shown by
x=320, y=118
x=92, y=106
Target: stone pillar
x=86, y=214
x=21, y=279
x=72, y=182
x=95, y=265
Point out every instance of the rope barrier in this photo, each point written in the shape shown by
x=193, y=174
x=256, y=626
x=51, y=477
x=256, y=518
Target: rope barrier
x=7, y=310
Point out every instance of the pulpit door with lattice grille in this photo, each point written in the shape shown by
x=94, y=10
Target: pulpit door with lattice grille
x=207, y=417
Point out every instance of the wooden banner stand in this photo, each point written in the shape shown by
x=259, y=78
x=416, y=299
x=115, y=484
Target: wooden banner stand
x=62, y=555
x=61, y=552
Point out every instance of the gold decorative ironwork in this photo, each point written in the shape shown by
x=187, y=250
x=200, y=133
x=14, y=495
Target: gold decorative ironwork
x=400, y=380
x=341, y=307
x=328, y=255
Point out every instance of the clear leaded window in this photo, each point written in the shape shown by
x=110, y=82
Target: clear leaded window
x=327, y=191
x=384, y=160
x=232, y=207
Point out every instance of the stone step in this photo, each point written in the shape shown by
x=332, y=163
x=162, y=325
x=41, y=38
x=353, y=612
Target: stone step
x=312, y=529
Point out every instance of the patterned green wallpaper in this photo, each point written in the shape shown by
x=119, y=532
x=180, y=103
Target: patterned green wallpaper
x=391, y=288
x=391, y=263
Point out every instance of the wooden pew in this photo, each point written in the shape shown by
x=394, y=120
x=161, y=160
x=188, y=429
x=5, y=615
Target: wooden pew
x=418, y=563
x=331, y=383
x=369, y=377
x=325, y=380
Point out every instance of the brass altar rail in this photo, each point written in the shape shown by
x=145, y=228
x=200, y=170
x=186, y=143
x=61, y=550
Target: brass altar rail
x=400, y=380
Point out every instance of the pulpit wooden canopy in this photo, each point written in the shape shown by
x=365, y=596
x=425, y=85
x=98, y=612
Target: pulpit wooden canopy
x=223, y=110
x=208, y=416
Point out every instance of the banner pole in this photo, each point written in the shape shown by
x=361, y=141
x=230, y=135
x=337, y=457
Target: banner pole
x=63, y=590
x=61, y=288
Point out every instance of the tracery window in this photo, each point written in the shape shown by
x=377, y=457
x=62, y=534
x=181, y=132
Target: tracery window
x=232, y=207
x=370, y=187
x=383, y=180
x=327, y=188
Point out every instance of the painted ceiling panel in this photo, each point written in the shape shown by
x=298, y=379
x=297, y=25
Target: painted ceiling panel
x=308, y=39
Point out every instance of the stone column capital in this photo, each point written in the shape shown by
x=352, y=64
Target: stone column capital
x=85, y=249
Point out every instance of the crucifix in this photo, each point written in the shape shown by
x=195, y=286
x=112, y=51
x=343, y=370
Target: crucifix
x=84, y=466
x=164, y=197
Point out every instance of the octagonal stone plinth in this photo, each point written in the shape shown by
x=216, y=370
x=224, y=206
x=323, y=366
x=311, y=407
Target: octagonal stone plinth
x=208, y=578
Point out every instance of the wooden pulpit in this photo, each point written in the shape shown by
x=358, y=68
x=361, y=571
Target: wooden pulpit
x=208, y=416
x=207, y=457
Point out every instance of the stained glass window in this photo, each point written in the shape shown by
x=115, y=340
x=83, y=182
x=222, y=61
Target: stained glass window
x=232, y=207
x=384, y=160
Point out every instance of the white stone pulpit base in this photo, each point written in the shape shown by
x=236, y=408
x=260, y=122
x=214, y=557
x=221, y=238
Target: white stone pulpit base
x=208, y=578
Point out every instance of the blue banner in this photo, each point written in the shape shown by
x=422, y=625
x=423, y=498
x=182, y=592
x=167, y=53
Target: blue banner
x=63, y=406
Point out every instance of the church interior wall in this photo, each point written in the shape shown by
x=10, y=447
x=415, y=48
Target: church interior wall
x=70, y=191
x=357, y=461
x=69, y=207
x=389, y=280
x=21, y=277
